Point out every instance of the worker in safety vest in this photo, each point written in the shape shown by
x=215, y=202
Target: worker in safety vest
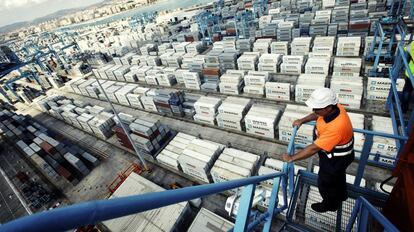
x=408, y=87
x=334, y=143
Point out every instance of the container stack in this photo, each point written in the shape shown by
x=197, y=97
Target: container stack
x=134, y=98
x=196, y=47
x=164, y=58
x=212, y=57
x=248, y=61
x=192, y=80
x=148, y=135
x=111, y=90
x=179, y=75
x=169, y=155
x=358, y=122
x=244, y=45
x=76, y=163
x=122, y=94
x=232, y=82
x=211, y=79
x=79, y=115
x=278, y=90
x=141, y=73
x=169, y=102
x=148, y=48
x=284, y=31
x=131, y=76
x=255, y=82
x=269, y=62
x=384, y=148
x=233, y=164
x=148, y=101
x=346, y=81
x=135, y=60
x=198, y=157
x=55, y=156
x=306, y=84
x=151, y=76
x=304, y=135
x=231, y=113
x=300, y=46
x=165, y=79
x=318, y=66
x=279, y=47
x=228, y=60
x=347, y=67
x=206, y=109
x=261, y=120
x=197, y=64
x=162, y=48
x=262, y=46
x=348, y=46
x=121, y=71
x=378, y=88
x=292, y=65
x=323, y=45
x=319, y=25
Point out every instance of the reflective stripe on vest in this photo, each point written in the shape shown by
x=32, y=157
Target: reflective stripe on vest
x=341, y=150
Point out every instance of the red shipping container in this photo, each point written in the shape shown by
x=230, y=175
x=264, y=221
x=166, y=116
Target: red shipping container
x=48, y=148
x=189, y=38
x=65, y=173
x=231, y=31
x=211, y=71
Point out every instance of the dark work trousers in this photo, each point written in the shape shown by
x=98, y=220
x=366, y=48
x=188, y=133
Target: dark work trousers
x=406, y=95
x=332, y=178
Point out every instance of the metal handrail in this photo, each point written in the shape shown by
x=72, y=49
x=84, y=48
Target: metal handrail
x=92, y=212
x=364, y=209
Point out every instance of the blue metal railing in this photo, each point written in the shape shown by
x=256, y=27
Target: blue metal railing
x=92, y=212
x=363, y=209
x=400, y=65
x=381, y=36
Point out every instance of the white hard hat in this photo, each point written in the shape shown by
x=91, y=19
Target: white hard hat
x=321, y=98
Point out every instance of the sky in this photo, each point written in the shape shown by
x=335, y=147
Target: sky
x=12, y=11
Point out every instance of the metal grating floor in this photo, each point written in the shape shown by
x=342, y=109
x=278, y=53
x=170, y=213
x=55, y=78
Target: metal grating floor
x=306, y=193
x=303, y=213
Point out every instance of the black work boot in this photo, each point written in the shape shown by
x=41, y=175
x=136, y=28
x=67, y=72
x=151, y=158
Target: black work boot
x=322, y=207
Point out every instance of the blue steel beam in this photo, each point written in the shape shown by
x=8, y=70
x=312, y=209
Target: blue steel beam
x=92, y=212
x=273, y=204
x=363, y=209
x=382, y=35
x=363, y=160
x=243, y=214
x=398, y=106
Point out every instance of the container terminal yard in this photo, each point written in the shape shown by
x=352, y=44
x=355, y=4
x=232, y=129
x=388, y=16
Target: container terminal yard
x=180, y=116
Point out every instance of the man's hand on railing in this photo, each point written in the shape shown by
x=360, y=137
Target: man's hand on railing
x=286, y=157
x=297, y=122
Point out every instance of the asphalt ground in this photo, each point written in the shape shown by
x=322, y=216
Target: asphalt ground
x=10, y=206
